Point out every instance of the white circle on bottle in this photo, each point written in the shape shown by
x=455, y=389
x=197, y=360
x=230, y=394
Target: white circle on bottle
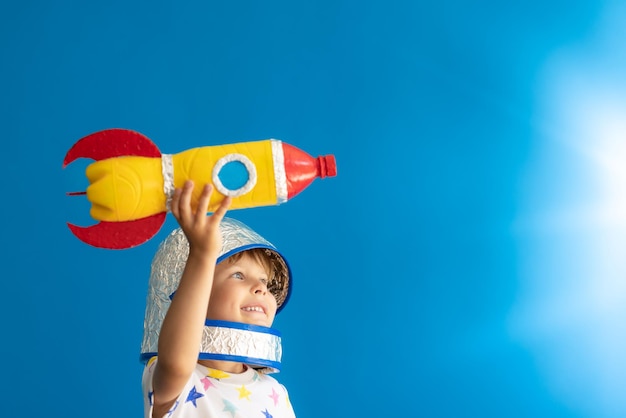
x=249, y=166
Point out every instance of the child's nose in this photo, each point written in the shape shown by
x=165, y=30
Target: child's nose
x=260, y=287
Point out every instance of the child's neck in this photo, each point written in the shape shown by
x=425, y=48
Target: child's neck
x=225, y=366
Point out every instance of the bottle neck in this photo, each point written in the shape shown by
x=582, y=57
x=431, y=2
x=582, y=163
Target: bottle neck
x=301, y=168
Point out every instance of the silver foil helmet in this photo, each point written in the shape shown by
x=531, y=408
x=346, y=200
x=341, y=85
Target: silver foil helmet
x=169, y=262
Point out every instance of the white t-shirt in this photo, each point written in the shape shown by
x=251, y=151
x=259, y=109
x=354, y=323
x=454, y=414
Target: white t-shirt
x=214, y=393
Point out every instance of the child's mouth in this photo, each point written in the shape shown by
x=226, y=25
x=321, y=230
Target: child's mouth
x=253, y=309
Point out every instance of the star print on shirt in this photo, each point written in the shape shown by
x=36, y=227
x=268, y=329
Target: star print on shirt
x=171, y=411
x=193, y=395
x=229, y=407
x=217, y=374
x=267, y=414
x=244, y=393
x=207, y=383
x=274, y=396
x=151, y=362
x=150, y=397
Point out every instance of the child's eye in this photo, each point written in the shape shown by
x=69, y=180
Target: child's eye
x=238, y=275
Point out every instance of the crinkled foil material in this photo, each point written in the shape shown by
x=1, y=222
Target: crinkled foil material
x=167, y=169
x=169, y=262
x=280, y=175
x=253, y=345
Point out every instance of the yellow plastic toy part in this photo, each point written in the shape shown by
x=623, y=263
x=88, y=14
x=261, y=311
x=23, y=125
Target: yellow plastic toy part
x=130, y=187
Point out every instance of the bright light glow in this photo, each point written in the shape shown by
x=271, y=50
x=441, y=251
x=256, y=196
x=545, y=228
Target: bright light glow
x=572, y=230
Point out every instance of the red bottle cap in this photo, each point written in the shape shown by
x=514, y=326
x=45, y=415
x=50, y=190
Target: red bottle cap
x=327, y=166
x=301, y=168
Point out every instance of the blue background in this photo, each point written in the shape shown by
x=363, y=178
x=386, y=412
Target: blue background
x=467, y=261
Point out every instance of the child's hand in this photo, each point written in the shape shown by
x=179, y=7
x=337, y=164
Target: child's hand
x=201, y=230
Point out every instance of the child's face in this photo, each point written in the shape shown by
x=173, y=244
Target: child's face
x=240, y=293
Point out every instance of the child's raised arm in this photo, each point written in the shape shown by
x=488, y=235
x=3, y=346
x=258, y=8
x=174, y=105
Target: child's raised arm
x=181, y=333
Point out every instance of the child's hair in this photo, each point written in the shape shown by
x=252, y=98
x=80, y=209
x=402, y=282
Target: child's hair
x=271, y=263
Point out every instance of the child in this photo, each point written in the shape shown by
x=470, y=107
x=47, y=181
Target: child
x=225, y=287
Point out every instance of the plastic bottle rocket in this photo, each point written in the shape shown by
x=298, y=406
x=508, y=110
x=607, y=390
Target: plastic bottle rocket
x=132, y=182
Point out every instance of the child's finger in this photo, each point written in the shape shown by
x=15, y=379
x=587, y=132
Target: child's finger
x=222, y=209
x=184, y=205
x=203, y=202
x=174, y=204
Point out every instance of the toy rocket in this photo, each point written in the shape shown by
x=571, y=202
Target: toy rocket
x=132, y=182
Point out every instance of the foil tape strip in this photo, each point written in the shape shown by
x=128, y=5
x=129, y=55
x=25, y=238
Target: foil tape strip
x=250, y=344
x=258, y=347
x=167, y=169
x=280, y=176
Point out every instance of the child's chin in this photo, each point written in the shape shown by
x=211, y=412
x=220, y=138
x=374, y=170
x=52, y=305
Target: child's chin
x=262, y=322
x=259, y=323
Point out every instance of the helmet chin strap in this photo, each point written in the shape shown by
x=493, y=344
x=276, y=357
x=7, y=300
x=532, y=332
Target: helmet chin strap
x=254, y=345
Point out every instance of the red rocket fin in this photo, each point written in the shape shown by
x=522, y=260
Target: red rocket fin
x=111, y=143
x=120, y=235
